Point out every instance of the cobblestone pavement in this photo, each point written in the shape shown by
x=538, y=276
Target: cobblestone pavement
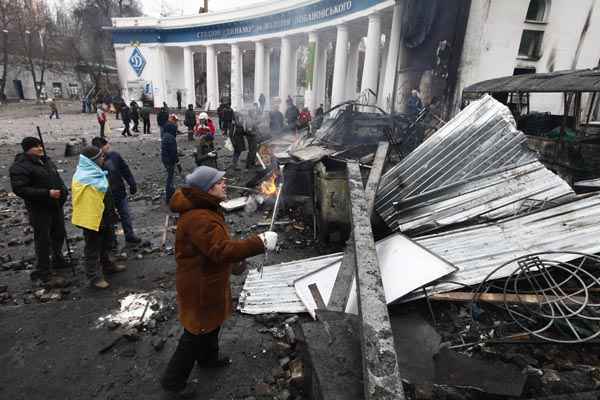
x=49, y=346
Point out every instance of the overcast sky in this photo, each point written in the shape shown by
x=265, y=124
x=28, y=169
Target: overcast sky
x=187, y=7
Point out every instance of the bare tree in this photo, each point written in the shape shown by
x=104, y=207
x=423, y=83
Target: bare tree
x=7, y=16
x=36, y=32
x=90, y=45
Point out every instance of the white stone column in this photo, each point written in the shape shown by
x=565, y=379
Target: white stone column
x=259, y=69
x=212, y=90
x=242, y=79
x=285, y=57
x=311, y=93
x=352, y=69
x=217, y=91
x=236, y=94
x=382, y=73
x=267, y=79
x=294, y=72
x=188, y=76
x=371, y=65
x=338, y=87
x=160, y=94
x=386, y=92
x=322, y=74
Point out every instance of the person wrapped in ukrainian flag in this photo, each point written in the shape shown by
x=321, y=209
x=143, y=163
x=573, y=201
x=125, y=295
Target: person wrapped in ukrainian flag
x=94, y=212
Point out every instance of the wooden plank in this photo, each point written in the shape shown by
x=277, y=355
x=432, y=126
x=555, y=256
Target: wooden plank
x=375, y=175
x=381, y=375
x=316, y=294
x=501, y=298
x=343, y=280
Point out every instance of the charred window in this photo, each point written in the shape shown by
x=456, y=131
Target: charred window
x=531, y=44
x=536, y=11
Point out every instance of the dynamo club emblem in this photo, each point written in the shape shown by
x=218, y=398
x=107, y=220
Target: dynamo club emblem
x=137, y=61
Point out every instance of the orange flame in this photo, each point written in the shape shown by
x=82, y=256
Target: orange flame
x=269, y=187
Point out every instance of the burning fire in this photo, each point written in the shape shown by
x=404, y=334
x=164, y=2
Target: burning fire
x=268, y=187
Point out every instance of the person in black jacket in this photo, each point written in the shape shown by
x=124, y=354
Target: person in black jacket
x=275, y=121
x=135, y=115
x=119, y=173
x=35, y=179
x=190, y=121
x=238, y=140
x=162, y=118
x=291, y=115
x=227, y=126
x=145, y=114
x=126, y=117
x=168, y=154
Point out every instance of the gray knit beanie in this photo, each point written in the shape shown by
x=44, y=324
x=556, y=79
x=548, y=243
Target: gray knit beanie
x=203, y=178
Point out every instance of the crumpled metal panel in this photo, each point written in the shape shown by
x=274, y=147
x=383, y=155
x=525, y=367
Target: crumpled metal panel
x=479, y=142
x=478, y=250
x=475, y=251
x=491, y=196
x=274, y=291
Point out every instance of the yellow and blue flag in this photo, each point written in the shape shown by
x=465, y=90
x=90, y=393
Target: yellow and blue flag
x=88, y=188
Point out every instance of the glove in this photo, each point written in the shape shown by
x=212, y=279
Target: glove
x=269, y=240
x=133, y=189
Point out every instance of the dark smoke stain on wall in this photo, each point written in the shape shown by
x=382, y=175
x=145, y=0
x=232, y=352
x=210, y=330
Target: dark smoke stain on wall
x=433, y=33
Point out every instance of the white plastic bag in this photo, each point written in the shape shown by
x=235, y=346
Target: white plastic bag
x=228, y=145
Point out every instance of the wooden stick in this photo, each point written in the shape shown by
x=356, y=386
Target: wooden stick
x=164, y=237
x=503, y=298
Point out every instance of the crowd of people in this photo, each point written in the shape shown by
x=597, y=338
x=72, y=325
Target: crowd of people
x=205, y=253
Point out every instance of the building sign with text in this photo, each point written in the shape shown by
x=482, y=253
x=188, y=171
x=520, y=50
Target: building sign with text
x=312, y=14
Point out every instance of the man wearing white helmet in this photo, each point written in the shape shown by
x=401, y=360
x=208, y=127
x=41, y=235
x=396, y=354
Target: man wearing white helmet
x=204, y=126
x=205, y=147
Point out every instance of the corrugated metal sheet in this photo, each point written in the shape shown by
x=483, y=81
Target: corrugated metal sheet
x=404, y=264
x=478, y=143
x=477, y=250
x=274, y=291
x=489, y=197
x=585, y=80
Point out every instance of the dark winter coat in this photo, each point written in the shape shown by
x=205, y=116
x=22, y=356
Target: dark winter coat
x=145, y=112
x=237, y=138
x=227, y=117
x=162, y=117
x=32, y=178
x=168, y=145
x=135, y=110
x=291, y=115
x=119, y=173
x=125, y=114
x=275, y=121
x=189, y=119
x=204, y=253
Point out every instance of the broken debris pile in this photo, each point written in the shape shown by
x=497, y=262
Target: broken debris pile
x=469, y=202
x=477, y=166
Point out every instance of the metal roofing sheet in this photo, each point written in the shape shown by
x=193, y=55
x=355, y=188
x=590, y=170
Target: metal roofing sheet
x=477, y=250
x=489, y=197
x=479, y=143
x=586, y=80
x=405, y=266
x=274, y=291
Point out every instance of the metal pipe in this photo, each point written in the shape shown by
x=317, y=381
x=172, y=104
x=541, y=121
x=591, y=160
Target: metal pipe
x=243, y=188
x=276, y=206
